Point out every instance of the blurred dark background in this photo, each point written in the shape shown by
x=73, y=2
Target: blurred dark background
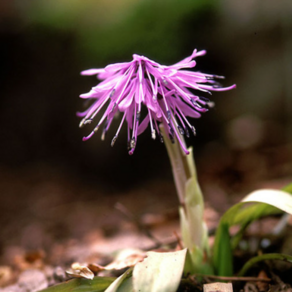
x=243, y=140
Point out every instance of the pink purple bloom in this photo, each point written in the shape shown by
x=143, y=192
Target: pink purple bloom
x=147, y=93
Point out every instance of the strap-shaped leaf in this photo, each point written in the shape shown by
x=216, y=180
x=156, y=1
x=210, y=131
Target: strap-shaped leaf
x=117, y=285
x=98, y=284
x=159, y=272
x=266, y=202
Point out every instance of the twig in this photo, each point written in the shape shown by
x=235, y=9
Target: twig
x=246, y=279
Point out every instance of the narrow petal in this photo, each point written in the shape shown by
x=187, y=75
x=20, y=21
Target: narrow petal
x=92, y=71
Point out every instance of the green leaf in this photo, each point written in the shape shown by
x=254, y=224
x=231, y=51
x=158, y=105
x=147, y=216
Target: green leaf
x=264, y=257
x=98, y=284
x=288, y=188
x=159, y=272
x=264, y=202
x=117, y=285
x=222, y=256
x=126, y=286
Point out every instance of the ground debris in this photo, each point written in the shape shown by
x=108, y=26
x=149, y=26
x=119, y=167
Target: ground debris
x=28, y=281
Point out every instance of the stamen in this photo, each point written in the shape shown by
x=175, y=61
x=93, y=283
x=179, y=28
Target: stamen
x=153, y=133
x=91, y=134
x=105, y=128
x=171, y=131
x=204, y=98
x=181, y=142
x=88, y=121
x=112, y=93
x=84, y=121
x=138, y=116
x=194, y=102
x=198, y=107
x=114, y=140
x=187, y=122
x=158, y=132
x=155, y=90
x=164, y=82
x=180, y=129
x=192, y=85
x=218, y=76
x=118, y=130
x=92, y=116
x=179, y=117
x=113, y=108
x=133, y=143
x=165, y=103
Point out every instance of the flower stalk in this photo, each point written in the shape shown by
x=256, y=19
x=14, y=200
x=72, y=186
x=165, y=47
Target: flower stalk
x=191, y=209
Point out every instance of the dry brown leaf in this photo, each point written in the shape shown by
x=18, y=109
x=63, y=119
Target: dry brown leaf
x=80, y=271
x=5, y=275
x=126, y=258
x=262, y=286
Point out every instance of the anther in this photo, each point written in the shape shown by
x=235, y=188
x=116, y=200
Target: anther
x=164, y=82
x=153, y=134
x=218, y=77
x=132, y=143
x=113, y=108
x=114, y=140
x=193, y=102
x=168, y=115
x=81, y=124
x=204, y=98
x=193, y=130
x=187, y=132
x=96, y=129
x=103, y=135
x=112, y=93
x=181, y=130
x=138, y=115
x=87, y=122
x=171, y=131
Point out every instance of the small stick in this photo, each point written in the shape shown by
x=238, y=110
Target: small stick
x=246, y=279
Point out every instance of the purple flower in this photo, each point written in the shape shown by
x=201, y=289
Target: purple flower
x=161, y=94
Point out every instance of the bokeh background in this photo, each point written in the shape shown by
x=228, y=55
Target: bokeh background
x=48, y=174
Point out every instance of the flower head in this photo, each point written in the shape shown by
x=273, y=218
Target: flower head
x=162, y=94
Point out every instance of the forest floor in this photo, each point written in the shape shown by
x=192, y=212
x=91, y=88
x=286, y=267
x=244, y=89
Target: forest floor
x=50, y=221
